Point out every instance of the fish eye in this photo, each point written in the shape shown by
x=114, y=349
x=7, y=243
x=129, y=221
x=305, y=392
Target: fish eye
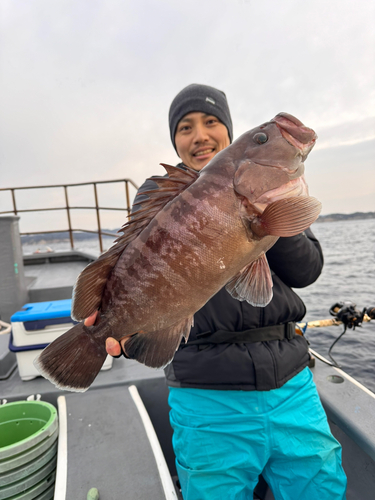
x=260, y=137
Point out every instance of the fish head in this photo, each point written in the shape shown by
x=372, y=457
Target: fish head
x=270, y=160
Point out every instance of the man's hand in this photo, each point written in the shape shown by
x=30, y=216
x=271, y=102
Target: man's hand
x=91, y=319
x=111, y=345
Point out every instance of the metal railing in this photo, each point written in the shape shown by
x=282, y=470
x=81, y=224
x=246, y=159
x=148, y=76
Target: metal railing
x=69, y=208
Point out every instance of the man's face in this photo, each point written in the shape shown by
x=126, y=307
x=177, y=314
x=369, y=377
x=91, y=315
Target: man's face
x=199, y=137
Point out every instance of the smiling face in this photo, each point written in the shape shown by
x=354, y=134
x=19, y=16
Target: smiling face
x=199, y=137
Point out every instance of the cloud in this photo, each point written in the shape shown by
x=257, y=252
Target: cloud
x=86, y=86
x=342, y=177
x=348, y=133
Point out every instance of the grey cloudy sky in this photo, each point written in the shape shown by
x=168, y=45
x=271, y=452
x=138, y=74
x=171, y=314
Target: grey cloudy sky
x=86, y=85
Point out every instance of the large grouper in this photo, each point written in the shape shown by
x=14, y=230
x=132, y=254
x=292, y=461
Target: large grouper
x=196, y=233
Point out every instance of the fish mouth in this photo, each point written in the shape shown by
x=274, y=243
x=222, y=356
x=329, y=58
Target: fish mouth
x=295, y=132
x=279, y=165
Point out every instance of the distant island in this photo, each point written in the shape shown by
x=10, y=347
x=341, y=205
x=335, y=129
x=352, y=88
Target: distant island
x=355, y=216
x=64, y=236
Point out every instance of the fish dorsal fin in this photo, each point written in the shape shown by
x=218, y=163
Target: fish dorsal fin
x=90, y=284
x=176, y=173
x=168, y=188
x=253, y=283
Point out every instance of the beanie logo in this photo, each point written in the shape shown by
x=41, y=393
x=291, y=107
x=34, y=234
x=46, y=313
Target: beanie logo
x=210, y=100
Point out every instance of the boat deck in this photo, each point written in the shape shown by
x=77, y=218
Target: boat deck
x=52, y=276
x=349, y=406
x=109, y=424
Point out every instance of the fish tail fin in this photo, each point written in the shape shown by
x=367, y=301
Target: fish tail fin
x=72, y=361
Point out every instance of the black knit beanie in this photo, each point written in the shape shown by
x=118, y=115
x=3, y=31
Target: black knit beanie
x=201, y=98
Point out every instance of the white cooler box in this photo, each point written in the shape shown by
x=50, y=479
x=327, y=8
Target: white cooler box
x=34, y=327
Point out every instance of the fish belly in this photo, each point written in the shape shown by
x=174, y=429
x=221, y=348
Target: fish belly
x=183, y=258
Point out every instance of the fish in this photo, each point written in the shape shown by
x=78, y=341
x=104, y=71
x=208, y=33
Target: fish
x=194, y=234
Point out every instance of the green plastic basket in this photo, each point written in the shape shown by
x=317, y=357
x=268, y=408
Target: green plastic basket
x=28, y=434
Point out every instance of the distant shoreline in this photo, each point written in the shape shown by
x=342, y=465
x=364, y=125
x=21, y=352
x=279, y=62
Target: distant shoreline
x=54, y=237
x=338, y=217
x=64, y=236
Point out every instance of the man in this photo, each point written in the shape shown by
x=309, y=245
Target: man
x=239, y=409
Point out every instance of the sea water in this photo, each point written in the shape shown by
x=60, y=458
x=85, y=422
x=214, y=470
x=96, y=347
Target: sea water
x=348, y=275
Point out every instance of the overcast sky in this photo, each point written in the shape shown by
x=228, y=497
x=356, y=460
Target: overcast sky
x=86, y=85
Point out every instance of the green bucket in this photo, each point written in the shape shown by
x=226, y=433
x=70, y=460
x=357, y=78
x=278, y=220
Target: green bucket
x=28, y=447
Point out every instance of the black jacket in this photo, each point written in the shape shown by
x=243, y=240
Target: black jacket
x=295, y=262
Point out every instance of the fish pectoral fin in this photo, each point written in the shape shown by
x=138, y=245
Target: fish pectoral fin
x=156, y=349
x=287, y=217
x=253, y=283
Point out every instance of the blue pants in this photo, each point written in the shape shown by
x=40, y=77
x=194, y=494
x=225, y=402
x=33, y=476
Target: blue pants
x=223, y=441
